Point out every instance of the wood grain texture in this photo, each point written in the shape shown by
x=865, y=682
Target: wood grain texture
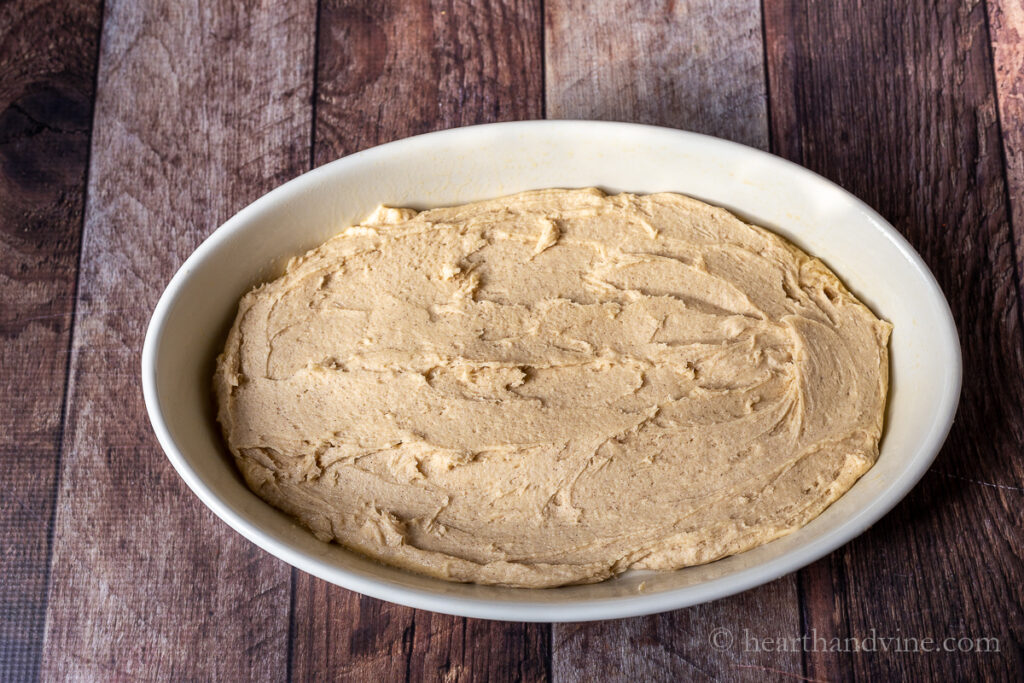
x=203, y=107
x=48, y=62
x=387, y=70
x=1006, y=31
x=200, y=109
x=692, y=64
x=695, y=65
x=702, y=643
x=341, y=635
x=453, y=649
x=895, y=102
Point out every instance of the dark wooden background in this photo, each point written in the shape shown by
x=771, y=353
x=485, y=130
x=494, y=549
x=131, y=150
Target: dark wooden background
x=130, y=129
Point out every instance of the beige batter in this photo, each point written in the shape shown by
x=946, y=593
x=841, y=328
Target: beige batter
x=553, y=387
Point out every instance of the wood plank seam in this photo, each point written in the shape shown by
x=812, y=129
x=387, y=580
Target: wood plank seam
x=48, y=56
x=767, y=80
x=65, y=406
x=542, y=40
x=1016, y=229
x=293, y=572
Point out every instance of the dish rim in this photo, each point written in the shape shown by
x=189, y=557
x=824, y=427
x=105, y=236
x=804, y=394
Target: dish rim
x=537, y=611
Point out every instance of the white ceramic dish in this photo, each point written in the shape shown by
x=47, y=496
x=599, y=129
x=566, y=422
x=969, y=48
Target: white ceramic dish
x=461, y=165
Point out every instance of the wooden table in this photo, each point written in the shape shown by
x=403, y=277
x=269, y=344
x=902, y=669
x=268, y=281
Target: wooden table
x=130, y=129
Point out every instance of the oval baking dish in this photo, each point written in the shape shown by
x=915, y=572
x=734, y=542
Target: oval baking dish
x=461, y=165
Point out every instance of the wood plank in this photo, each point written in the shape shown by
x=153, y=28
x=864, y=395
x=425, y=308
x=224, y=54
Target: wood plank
x=702, y=643
x=692, y=64
x=387, y=70
x=452, y=649
x=48, y=62
x=343, y=635
x=895, y=102
x=696, y=65
x=1006, y=32
x=200, y=109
